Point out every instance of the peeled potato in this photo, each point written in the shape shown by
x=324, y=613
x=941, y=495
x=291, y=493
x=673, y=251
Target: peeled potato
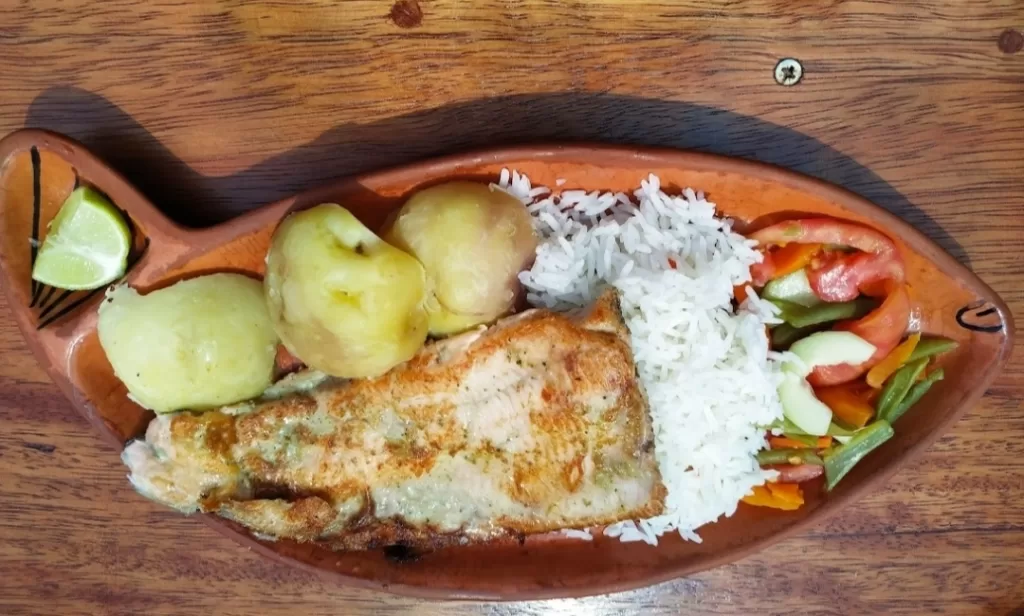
x=473, y=242
x=342, y=300
x=201, y=343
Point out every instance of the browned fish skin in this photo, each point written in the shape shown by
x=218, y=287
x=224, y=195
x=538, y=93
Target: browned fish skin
x=536, y=424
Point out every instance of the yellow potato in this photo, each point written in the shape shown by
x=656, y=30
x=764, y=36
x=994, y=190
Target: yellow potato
x=342, y=300
x=201, y=343
x=473, y=242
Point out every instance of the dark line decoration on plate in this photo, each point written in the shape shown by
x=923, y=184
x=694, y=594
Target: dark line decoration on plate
x=69, y=307
x=37, y=198
x=78, y=302
x=47, y=295
x=42, y=293
x=46, y=309
x=975, y=310
x=60, y=298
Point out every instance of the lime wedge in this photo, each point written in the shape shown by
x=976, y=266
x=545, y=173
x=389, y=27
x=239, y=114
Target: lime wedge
x=87, y=244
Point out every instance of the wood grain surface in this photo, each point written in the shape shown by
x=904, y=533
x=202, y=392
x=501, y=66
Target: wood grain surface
x=213, y=108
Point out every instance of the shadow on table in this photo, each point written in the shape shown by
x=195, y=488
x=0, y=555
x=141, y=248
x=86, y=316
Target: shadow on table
x=198, y=200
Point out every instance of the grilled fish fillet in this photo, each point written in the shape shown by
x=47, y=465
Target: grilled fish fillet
x=535, y=424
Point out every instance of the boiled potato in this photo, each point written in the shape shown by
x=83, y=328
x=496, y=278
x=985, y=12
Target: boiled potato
x=342, y=300
x=201, y=343
x=473, y=242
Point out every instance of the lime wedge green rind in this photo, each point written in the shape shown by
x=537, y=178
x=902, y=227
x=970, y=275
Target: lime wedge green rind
x=86, y=246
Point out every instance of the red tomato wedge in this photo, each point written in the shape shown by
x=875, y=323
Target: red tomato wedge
x=829, y=231
x=874, y=269
x=834, y=276
x=884, y=327
x=785, y=260
x=839, y=277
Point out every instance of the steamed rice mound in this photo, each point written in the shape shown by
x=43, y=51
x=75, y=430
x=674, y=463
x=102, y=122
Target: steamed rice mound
x=707, y=370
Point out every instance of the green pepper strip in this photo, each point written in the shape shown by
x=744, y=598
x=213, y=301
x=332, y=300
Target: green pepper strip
x=837, y=428
x=787, y=456
x=784, y=334
x=801, y=317
x=897, y=387
x=916, y=393
x=929, y=347
x=840, y=460
x=806, y=439
x=834, y=429
x=788, y=427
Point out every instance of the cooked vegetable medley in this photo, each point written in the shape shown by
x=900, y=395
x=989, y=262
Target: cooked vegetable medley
x=845, y=309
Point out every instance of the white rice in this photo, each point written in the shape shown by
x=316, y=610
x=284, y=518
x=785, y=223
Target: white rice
x=707, y=370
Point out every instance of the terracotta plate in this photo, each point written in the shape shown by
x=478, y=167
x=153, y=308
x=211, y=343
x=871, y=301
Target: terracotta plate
x=39, y=169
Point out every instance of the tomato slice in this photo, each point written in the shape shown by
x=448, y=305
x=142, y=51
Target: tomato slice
x=838, y=277
x=875, y=269
x=834, y=276
x=763, y=272
x=883, y=327
x=783, y=261
x=829, y=231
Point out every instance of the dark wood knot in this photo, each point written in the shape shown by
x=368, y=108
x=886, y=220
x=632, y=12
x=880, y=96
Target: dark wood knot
x=1011, y=41
x=41, y=447
x=406, y=14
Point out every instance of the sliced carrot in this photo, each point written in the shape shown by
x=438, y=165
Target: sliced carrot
x=776, y=497
x=759, y=497
x=848, y=403
x=793, y=257
x=787, y=492
x=781, y=442
x=863, y=390
x=868, y=392
x=740, y=293
x=892, y=362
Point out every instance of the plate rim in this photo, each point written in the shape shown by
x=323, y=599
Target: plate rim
x=543, y=152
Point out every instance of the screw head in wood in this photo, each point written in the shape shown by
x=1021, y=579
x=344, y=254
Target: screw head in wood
x=788, y=72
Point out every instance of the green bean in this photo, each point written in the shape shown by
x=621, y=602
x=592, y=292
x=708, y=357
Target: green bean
x=788, y=456
x=801, y=322
x=841, y=459
x=929, y=347
x=916, y=393
x=784, y=334
x=897, y=387
x=785, y=308
x=799, y=316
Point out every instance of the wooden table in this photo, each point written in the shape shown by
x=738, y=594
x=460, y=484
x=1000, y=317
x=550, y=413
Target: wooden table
x=215, y=107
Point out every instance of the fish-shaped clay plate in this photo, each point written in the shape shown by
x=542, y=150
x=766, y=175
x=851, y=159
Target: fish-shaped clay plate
x=39, y=169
